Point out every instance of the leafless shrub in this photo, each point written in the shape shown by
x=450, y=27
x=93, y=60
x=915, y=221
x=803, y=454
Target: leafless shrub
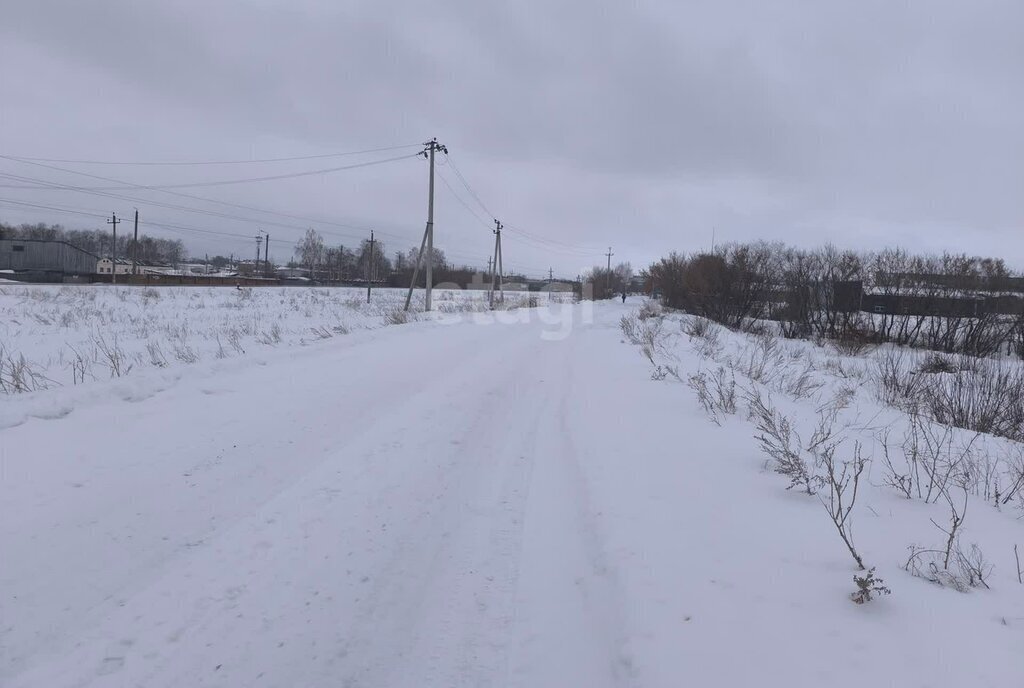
x=114, y=356
x=235, y=340
x=663, y=371
x=715, y=393
x=897, y=385
x=869, y=586
x=220, y=354
x=185, y=353
x=764, y=360
x=17, y=375
x=954, y=568
x=273, y=336
x=844, y=396
x=836, y=367
x=321, y=332
x=157, y=358
x=842, y=480
x=80, y=366
x=988, y=399
x=936, y=460
x=708, y=345
x=397, y=316
x=630, y=327
x=973, y=566
x=650, y=309
x=781, y=443
x=757, y=328
x=802, y=384
x=894, y=477
x=695, y=327
x=937, y=363
x=853, y=342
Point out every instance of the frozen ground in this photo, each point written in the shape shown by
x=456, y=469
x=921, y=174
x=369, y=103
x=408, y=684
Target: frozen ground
x=68, y=336
x=499, y=502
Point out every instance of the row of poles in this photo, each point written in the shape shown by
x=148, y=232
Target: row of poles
x=426, y=246
x=113, y=222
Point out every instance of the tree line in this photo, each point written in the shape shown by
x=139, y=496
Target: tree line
x=342, y=263
x=100, y=242
x=948, y=302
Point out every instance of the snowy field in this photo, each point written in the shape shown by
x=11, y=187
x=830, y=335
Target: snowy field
x=68, y=336
x=571, y=495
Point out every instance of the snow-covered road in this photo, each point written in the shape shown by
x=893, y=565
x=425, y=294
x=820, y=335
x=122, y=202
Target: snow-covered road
x=424, y=505
x=402, y=507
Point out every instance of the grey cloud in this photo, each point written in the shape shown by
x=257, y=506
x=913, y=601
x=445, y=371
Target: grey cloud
x=645, y=122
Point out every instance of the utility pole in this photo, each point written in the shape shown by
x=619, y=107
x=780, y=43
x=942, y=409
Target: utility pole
x=369, y=269
x=494, y=273
x=259, y=243
x=432, y=147
x=266, y=256
x=135, y=245
x=551, y=274
x=498, y=271
x=608, y=275
x=113, y=252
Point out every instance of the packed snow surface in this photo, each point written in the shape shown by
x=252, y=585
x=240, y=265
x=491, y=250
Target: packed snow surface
x=501, y=499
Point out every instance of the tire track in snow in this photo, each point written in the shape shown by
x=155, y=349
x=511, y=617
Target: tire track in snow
x=570, y=621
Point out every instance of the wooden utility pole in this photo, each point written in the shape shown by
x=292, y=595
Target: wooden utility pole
x=135, y=245
x=432, y=147
x=266, y=256
x=369, y=269
x=113, y=251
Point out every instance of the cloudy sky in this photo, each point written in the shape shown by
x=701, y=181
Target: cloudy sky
x=581, y=124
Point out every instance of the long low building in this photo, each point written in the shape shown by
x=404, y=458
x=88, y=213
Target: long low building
x=41, y=260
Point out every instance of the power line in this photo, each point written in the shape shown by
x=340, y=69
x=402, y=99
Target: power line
x=87, y=190
x=462, y=202
x=216, y=162
x=226, y=182
x=468, y=187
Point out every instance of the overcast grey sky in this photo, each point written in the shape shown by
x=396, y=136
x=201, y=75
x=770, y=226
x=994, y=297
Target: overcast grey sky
x=641, y=125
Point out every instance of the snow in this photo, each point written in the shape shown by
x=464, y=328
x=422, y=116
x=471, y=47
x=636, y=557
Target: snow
x=499, y=499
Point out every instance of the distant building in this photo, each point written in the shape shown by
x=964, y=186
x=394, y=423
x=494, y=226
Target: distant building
x=104, y=266
x=39, y=260
x=291, y=273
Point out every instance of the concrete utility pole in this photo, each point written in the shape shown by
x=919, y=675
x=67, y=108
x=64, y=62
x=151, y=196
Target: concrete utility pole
x=369, y=269
x=135, y=245
x=608, y=275
x=551, y=274
x=113, y=252
x=432, y=147
x=498, y=271
x=259, y=242
x=266, y=256
x=494, y=273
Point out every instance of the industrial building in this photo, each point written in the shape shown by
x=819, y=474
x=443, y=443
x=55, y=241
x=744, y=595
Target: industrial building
x=36, y=260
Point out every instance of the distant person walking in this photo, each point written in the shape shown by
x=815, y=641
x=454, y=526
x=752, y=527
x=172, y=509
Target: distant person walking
x=623, y=296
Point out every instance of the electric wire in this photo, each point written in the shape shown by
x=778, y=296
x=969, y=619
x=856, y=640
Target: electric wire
x=170, y=163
